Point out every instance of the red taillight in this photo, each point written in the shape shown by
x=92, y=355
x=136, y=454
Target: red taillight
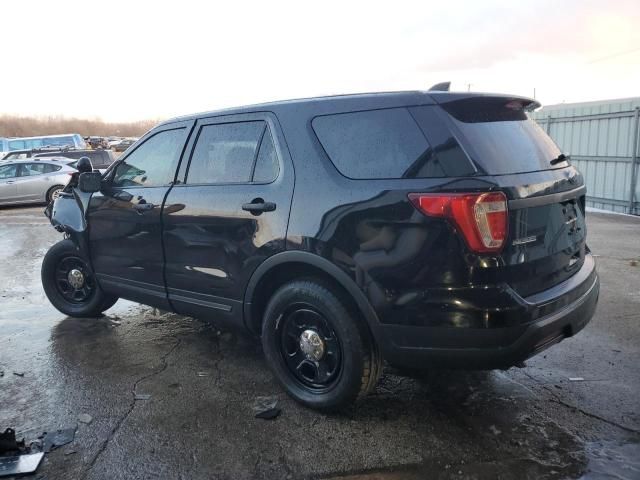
x=482, y=218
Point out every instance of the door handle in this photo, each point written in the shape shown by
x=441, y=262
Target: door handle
x=143, y=207
x=258, y=205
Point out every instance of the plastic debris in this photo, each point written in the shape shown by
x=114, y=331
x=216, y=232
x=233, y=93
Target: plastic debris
x=20, y=464
x=19, y=374
x=53, y=440
x=576, y=379
x=142, y=396
x=266, y=408
x=202, y=374
x=85, y=418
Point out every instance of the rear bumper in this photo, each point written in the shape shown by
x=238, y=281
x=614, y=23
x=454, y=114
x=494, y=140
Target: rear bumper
x=558, y=313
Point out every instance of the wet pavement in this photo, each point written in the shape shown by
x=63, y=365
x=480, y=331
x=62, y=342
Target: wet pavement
x=172, y=397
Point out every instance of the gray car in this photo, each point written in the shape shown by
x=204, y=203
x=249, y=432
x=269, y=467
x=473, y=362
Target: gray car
x=33, y=181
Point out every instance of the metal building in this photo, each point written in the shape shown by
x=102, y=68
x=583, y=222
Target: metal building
x=602, y=139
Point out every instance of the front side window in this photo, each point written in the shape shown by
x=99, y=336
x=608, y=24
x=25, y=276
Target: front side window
x=153, y=163
x=225, y=153
x=8, y=171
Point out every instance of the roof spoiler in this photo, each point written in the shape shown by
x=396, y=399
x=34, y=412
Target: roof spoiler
x=440, y=87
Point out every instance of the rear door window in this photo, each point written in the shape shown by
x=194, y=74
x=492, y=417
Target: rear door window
x=267, y=167
x=225, y=153
x=378, y=144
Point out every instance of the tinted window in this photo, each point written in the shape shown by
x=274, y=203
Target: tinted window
x=8, y=171
x=153, y=163
x=225, y=153
x=267, y=167
x=499, y=137
x=380, y=144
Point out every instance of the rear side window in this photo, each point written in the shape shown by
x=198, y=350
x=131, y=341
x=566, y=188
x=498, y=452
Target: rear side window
x=379, y=144
x=225, y=153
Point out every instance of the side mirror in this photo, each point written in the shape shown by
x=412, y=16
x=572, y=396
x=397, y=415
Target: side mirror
x=90, y=182
x=84, y=165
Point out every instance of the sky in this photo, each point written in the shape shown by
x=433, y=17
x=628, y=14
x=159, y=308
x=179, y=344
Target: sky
x=133, y=60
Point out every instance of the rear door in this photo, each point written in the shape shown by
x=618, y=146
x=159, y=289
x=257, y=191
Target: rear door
x=34, y=180
x=125, y=218
x=228, y=212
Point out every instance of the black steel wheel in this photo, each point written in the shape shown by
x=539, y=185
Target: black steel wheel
x=74, y=280
x=310, y=347
x=318, y=346
x=70, y=284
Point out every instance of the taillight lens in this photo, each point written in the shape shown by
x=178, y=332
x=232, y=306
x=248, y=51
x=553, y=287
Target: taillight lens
x=482, y=218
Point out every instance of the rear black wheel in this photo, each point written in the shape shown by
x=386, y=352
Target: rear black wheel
x=70, y=284
x=318, y=347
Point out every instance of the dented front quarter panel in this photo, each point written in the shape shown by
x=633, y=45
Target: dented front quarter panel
x=67, y=214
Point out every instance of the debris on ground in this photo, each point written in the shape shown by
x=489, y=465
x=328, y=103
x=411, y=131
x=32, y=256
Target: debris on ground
x=142, y=396
x=85, y=418
x=266, y=407
x=19, y=374
x=57, y=438
x=495, y=430
x=576, y=379
x=633, y=263
x=20, y=464
x=17, y=458
x=202, y=374
x=8, y=442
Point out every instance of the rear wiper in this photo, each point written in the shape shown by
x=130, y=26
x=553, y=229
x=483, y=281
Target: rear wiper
x=560, y=158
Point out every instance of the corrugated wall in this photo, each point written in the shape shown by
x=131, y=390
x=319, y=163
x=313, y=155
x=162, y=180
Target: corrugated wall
x=600, y=137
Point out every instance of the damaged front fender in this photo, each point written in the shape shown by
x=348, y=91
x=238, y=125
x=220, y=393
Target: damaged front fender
x=67, y=214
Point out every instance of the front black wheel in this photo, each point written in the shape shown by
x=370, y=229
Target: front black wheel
x=318, y=347
x=70, y=284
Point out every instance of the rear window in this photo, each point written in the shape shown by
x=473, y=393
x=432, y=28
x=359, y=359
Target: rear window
x=387, y=143
x=499, y=137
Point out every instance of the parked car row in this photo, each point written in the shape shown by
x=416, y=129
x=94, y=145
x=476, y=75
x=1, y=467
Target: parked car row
x=119, y=144
x=37, y=175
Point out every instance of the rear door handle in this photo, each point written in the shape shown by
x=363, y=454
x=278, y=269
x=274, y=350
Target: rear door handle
x=141, y=207
x=257, y=206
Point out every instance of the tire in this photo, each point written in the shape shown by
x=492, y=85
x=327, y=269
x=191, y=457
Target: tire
x=53, y=191
x=87, y=301
x=347, y=360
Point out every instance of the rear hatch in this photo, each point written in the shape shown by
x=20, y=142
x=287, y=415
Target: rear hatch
x=545, y=239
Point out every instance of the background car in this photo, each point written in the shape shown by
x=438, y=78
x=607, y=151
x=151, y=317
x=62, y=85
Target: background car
x=124, y=144
x=33, y=181
x=100, y=159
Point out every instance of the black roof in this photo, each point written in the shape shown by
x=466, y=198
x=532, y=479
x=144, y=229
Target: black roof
x=356, y=101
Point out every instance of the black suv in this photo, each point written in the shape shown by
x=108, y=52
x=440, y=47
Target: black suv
x=427, y=229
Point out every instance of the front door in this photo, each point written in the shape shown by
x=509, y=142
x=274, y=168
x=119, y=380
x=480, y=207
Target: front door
x=227, y=214
x=125, y=218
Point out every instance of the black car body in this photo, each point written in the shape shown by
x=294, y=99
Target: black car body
x=447, y=226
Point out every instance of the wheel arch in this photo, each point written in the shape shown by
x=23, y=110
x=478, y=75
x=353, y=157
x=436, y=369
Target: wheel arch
x=285, y=266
